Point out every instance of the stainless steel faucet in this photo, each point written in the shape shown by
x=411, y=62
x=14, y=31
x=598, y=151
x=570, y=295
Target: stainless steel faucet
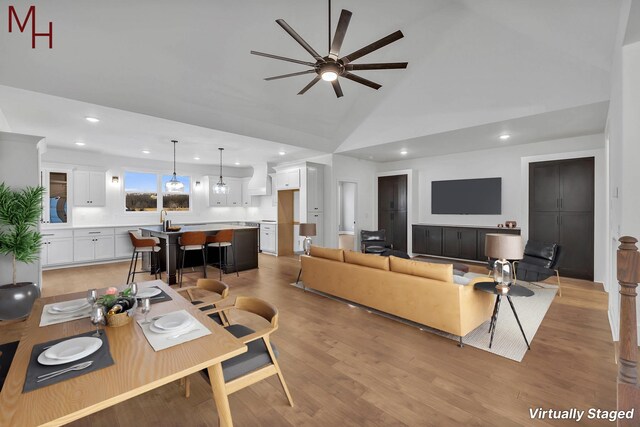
x=163, y=215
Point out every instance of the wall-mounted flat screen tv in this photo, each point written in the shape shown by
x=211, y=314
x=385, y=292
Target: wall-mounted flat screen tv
x=467, y=196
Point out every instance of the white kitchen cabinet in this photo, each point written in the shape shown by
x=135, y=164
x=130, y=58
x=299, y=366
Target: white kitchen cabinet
x=274, y=190
x=83, y=249
x=104, y=247
x=268, y=238
x=93, y=244
x=55, y=206
x=318, y=219
x=234, y=196
x=247, y=199
x=288, y=180
x=123, y=246
x=57, y=247
x=89, y=188
x=315, y=188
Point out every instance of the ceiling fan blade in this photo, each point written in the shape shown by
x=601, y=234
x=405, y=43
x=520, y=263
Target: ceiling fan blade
x=299, y=39
x=372, y=47
x=378, y=66
x=290, y=75
x=341, y=30
x=307, y=87
x=361, y=80
x=336, y=88
x=282, y=58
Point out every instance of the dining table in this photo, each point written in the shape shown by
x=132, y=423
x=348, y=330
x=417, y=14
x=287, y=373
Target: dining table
x=137, y=367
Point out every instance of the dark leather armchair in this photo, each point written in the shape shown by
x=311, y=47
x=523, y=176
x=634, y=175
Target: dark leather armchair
x=374, y=242
x=540, y=261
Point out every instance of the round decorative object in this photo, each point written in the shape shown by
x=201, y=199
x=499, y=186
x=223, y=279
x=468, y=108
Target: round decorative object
x=17, y=300
x=120, y=319
x=124, y=318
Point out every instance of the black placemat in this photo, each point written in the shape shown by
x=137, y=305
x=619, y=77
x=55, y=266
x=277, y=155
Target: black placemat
x=161, y=297
x=101, y=359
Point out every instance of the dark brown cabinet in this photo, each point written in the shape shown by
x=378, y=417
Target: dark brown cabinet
x=392, y=209
x=459, y=242
x=453, y=242
x=482, y=234
x=561, y=206
x=427, y=240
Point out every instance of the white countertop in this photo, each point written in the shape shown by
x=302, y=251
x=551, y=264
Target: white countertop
x=52, y=227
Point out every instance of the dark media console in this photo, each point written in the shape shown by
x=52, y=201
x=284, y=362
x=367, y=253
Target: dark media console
x=454, y=241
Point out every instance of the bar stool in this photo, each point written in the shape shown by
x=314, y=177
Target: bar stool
x=192, y=241
x=150, y=245
x=223, y=239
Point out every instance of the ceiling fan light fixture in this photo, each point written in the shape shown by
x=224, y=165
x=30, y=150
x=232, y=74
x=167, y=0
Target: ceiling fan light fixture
x=329, y=76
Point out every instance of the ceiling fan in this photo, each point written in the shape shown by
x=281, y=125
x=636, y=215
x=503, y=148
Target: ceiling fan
x=330, y=67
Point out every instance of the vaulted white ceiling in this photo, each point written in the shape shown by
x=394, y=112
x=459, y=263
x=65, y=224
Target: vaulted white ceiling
x=471, y=63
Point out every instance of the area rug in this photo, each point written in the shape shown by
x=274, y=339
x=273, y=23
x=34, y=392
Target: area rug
x=507, y=340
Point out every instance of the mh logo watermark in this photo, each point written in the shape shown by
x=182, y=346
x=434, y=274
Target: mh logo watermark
x=14, y=18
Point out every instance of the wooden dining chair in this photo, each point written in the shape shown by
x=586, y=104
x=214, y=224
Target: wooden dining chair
x=260, y=361
x=216, y=290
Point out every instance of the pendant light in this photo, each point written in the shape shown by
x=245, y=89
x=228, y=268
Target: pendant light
x=174, y=185
x=221, y=187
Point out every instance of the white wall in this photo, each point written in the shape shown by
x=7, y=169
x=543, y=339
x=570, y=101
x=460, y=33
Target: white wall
x=362, y=172
x=624, y=151
x=114, y=212
x=512, y=166
x=19, y=167
x=347, y=207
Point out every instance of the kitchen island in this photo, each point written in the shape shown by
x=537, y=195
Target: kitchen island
x=245, y=241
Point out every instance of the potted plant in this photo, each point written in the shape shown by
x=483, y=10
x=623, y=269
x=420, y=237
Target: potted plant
x=20, y=212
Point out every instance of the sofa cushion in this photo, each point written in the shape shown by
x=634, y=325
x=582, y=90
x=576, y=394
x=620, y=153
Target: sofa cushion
x=461, y=280
x=442, y=272
x=327, y=253
x=367, y=260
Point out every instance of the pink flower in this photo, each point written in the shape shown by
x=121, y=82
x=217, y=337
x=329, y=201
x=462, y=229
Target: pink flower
x=111, y=291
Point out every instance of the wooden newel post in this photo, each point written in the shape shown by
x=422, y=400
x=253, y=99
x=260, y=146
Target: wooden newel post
x=628, y=276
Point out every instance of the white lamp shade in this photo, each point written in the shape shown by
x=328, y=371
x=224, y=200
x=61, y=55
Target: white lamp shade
x=503, y=246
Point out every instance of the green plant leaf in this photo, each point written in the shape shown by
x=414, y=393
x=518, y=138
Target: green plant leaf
x=20, y=211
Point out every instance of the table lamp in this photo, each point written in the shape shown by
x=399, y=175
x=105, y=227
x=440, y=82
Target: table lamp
x=307, y=230
x=503, y=247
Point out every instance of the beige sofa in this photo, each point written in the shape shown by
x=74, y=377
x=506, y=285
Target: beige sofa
x=418, y=291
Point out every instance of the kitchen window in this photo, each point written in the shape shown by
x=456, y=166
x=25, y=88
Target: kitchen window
x=178, y=201
x=141, y=192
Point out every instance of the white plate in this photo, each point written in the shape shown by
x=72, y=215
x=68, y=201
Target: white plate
x=68, y=307
x=157, y=330
x=148, y=293
x=173, y=321
x=70, y=350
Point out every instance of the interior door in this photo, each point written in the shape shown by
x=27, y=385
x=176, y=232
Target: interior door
x=576, y=231
x=544, y=189
x=399, y=224
x=576, y=185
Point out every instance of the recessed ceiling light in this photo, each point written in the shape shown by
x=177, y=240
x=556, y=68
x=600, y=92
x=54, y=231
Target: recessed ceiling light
x=282, y=153
x=404, y=152
x=237, y=163
x=80, y=144
x=92, y=119
x=196, y=158
x=146, y=152
x=504, y=136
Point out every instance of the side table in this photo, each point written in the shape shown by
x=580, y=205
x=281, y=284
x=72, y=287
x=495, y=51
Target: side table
x=514, y=291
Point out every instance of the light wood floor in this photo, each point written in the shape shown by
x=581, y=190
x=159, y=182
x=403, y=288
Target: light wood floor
x=346, y=367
